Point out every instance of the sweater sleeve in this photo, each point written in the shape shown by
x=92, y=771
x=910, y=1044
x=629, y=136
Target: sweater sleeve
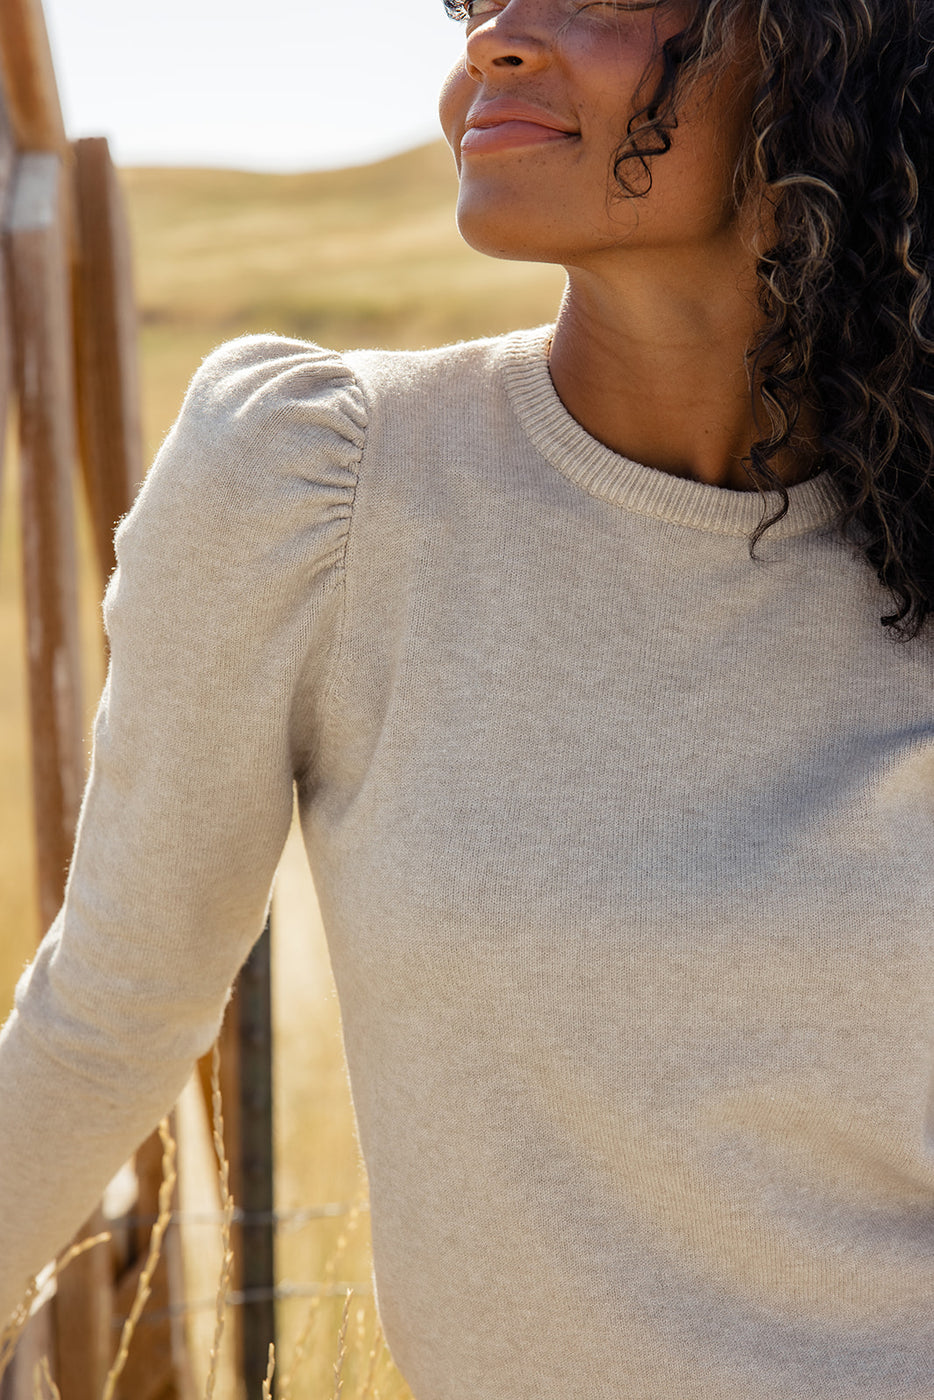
x=222, y=617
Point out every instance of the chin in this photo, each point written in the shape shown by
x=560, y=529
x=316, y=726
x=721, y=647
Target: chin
x=501, y=232
x=485, y=240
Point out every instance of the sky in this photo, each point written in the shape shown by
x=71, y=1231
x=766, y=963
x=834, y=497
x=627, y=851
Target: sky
x=255, y=84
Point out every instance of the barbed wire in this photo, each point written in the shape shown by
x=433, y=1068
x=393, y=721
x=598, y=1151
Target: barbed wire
x=243, y=1298
x=293, y=1219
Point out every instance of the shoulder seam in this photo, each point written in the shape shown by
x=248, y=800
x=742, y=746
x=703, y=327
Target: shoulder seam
x=351, y=382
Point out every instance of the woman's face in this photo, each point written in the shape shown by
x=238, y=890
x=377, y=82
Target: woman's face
x=537, y=110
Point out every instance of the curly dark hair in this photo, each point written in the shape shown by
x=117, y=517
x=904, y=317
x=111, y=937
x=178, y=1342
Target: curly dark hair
x=841, y=146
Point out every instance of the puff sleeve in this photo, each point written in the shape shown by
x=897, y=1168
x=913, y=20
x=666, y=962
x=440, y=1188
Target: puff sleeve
x=223, y=616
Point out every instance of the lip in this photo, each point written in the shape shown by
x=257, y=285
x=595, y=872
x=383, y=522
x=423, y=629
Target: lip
x=506, y=135
x=498, y=126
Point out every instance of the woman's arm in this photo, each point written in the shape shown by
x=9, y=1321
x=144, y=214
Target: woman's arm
x=223, y=610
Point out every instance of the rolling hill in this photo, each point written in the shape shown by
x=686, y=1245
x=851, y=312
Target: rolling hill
x=365, y=256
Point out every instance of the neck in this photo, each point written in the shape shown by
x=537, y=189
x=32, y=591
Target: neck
x=651, y=362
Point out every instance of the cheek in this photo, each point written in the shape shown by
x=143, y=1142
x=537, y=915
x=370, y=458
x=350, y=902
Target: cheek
x=457, y=94
x=616, y=82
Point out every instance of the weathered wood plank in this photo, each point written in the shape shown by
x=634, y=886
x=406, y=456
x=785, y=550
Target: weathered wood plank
x=7, y=154
x=29, y=84
x=83, y=1304
x=148, y=1371
x=7, y=168
x=109, y=424
x=36, y=1343
x=40, y=301
x=6, y=367
x=158, y=1365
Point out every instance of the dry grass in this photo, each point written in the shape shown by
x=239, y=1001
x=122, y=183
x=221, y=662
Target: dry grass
x=227, y=1208
x=144, y=1286
x=360, y=1358
x=317, y=1159
x=13, y=1327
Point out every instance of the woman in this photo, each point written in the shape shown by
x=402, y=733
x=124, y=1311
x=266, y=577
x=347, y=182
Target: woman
x=617, y=794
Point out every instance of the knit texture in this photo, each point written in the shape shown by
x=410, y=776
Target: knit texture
x=625, y=850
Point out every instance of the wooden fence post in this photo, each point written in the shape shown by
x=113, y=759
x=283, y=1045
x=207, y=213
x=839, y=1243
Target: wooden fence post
x=258, y=1236
x=40, y=299
x=247, y=1092
x=106, y=346
x=30, y=89
x=158, y=1366
x=7, y=168
x=110, y=434
x=36, y=1343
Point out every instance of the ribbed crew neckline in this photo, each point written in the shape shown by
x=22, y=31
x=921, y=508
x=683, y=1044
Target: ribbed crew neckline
x=603, y=473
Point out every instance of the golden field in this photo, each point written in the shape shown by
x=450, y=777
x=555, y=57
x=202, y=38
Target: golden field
x=367, y=256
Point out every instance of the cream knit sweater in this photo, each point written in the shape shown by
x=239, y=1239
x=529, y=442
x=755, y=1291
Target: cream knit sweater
x=625, y=848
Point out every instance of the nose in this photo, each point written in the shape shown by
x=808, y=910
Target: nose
x=516, y=36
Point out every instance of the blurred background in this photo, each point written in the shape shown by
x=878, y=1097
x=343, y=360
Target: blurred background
x=286, y=85
x=282, y=169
